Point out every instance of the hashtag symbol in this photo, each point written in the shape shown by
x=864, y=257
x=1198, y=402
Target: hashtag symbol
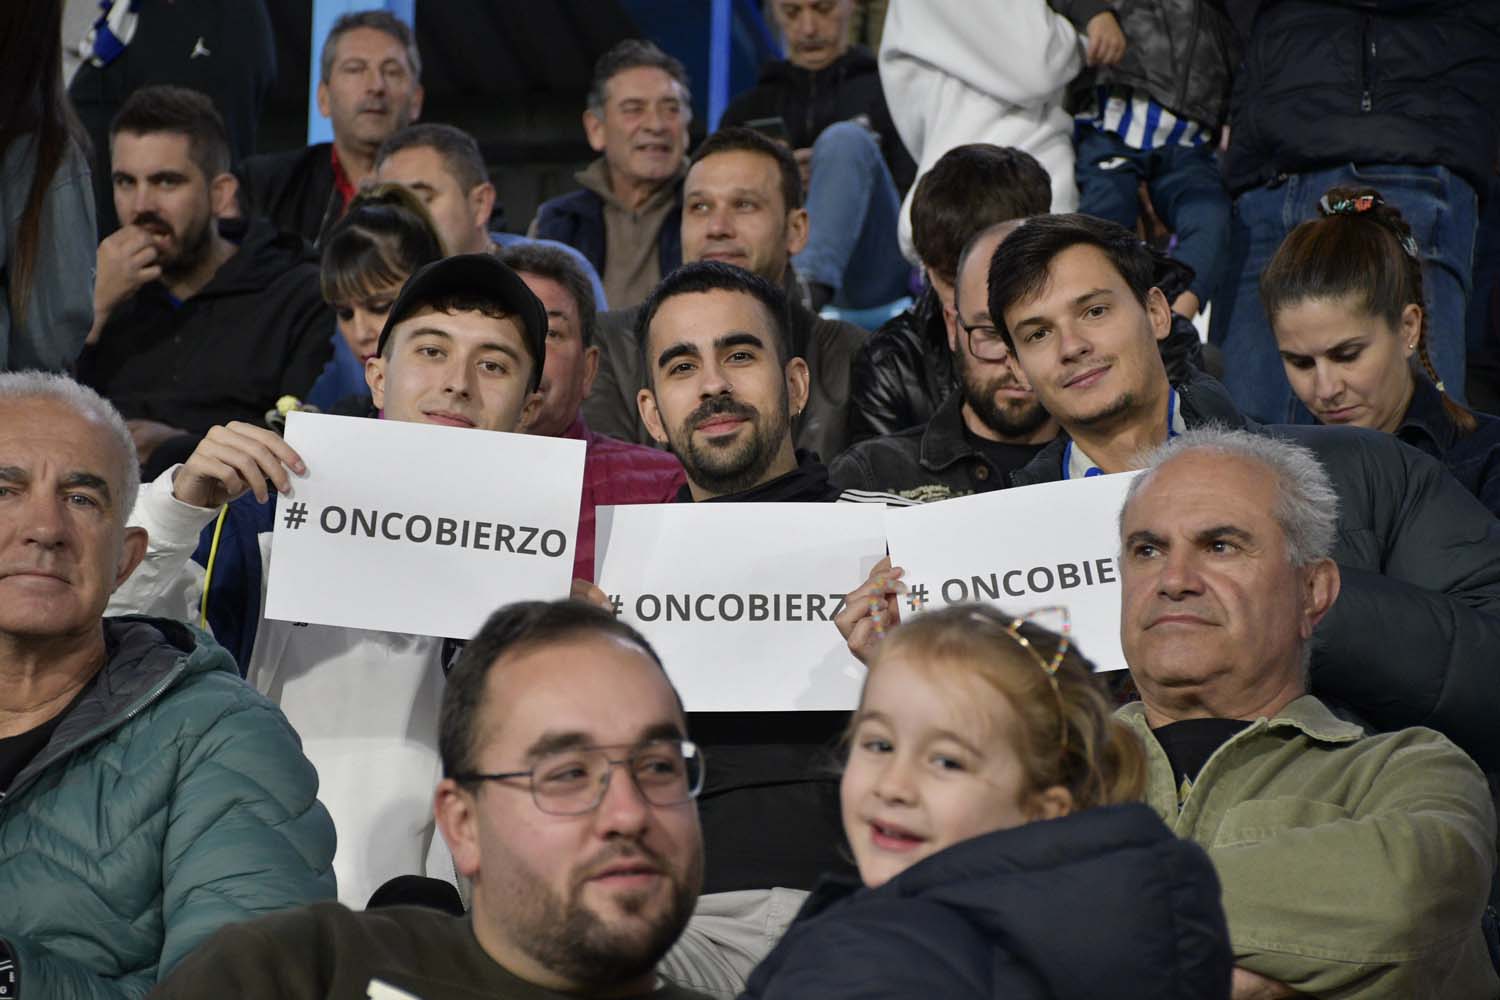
x=916, y=599
x=296, y=515
x=616, y=603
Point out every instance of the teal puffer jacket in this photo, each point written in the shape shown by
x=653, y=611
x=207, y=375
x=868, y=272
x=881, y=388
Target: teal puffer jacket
x=172, y=800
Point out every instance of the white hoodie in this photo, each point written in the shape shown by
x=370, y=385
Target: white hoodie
x=364, y=703
x=962, y=71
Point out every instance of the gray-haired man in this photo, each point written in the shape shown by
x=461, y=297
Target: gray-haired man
x=1353, y=865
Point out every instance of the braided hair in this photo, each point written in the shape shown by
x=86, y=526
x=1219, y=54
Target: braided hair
x=1359, y=246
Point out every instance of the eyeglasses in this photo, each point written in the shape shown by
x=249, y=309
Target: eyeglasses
x=985, y=342
x=573, y=782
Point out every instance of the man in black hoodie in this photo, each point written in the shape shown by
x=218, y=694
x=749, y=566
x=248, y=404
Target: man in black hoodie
x=828, y=98
x=721, y=390
x=196, y=322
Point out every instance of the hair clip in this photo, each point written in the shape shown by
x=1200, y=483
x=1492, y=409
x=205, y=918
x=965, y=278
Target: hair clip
x=1363, y=203
x=1049, y=667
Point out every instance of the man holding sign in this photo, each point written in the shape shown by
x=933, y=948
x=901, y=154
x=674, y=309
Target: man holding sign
x=462, y=346
x=1415, y=635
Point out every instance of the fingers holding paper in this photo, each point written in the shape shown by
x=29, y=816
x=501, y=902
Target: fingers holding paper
x=871, y=609
x=233, y=459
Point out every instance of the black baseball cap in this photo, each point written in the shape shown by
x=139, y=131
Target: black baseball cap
x=474, y=274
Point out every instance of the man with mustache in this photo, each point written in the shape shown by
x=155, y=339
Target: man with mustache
x=1353, y=864
x=980, y=434
x=624, y=218
x=583, y=874
x=196, y=322
x=722, y=390
x=369, y=88
x=742, y=206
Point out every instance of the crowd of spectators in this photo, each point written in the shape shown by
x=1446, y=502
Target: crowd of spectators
x=1241, y=249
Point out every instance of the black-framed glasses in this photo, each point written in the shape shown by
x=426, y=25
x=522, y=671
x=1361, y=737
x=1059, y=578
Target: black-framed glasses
x=573, y=782
x=985, y=342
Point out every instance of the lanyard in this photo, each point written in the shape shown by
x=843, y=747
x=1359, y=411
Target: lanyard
x=1077, y=465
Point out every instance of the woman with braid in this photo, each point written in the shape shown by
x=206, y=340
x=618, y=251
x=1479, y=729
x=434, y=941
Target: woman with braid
x=1344, y=296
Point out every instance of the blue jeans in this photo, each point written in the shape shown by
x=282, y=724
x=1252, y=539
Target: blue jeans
x=1185, y=187
x=852, y=208
x=1440, y=207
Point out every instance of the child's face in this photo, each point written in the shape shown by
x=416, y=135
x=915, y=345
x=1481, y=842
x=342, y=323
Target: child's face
x=931, y=763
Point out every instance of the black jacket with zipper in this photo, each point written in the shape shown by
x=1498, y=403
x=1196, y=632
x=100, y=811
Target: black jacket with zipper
x=808, y=102
x=1326, y=83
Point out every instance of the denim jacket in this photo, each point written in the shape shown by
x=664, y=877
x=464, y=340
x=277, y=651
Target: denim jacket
x=1353, y=865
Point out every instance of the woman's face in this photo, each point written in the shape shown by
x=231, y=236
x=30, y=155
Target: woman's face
x=361, y=321
x=932, y=761
x=1347, y=366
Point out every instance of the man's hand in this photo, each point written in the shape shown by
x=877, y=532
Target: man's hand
x=803, y=157
x=149, y=435
x=127, y=260
x=587, y=592
x=1248, y=985
x=232, y=459
x=1106, y=42
x=871, y=609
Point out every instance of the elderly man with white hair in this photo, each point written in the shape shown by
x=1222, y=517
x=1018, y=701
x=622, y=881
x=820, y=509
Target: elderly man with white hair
x=148, y=796
x=1354, y=865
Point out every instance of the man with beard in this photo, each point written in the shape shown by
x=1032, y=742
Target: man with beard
x=369, y=88
x=196, y=323
x=582, y=877
x=723, y=389
x=742, y=205
x=992, y=426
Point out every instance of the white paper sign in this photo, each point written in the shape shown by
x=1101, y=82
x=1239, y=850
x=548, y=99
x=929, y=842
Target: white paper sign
x=1021, y=549
x=405, y=527
x=739, y=598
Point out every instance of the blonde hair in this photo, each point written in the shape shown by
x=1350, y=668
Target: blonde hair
x=1068, y=735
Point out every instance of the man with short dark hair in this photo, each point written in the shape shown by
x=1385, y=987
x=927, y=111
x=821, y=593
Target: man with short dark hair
x=742, y=206
x=462, y=346
x=614, y=472
x=196, y=323
x=906, y=369
x=583, y=876
x=443, y=167
x=827, y=99
x=625, y=218
x=369, y=86
x=1353, y=864
x=982, y=433
x=150, y=797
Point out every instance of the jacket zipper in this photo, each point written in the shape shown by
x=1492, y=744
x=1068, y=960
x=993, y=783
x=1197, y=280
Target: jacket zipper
x=36, y=767
x=1367, y=60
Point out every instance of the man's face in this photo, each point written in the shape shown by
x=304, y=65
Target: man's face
x=569, y=371
x=460, y=216
x=370, y=93
x=1212, y=609
x=1084, y=342
x=816, y=31
x=643, y=129
x=995, y=391
x=158, y=187
x=459, y=369
x=733, y=211
x=63, y=542
x=718, y=394
x=588, y=900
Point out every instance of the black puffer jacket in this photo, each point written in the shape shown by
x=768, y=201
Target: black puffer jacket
x=808, y=102
x=1414, y=637
x=1181, y=52
x=1104, y=903
x=902, y=374
x=1379, y=81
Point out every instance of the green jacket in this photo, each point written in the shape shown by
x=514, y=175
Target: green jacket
x=1353, y=865
x=172, y=800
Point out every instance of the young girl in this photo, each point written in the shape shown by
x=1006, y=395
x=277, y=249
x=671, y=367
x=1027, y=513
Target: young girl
x=980, y=800
x=384, y=237
x=1344, y=297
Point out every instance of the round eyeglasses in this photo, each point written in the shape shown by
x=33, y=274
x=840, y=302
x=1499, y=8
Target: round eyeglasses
x=572, y=782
